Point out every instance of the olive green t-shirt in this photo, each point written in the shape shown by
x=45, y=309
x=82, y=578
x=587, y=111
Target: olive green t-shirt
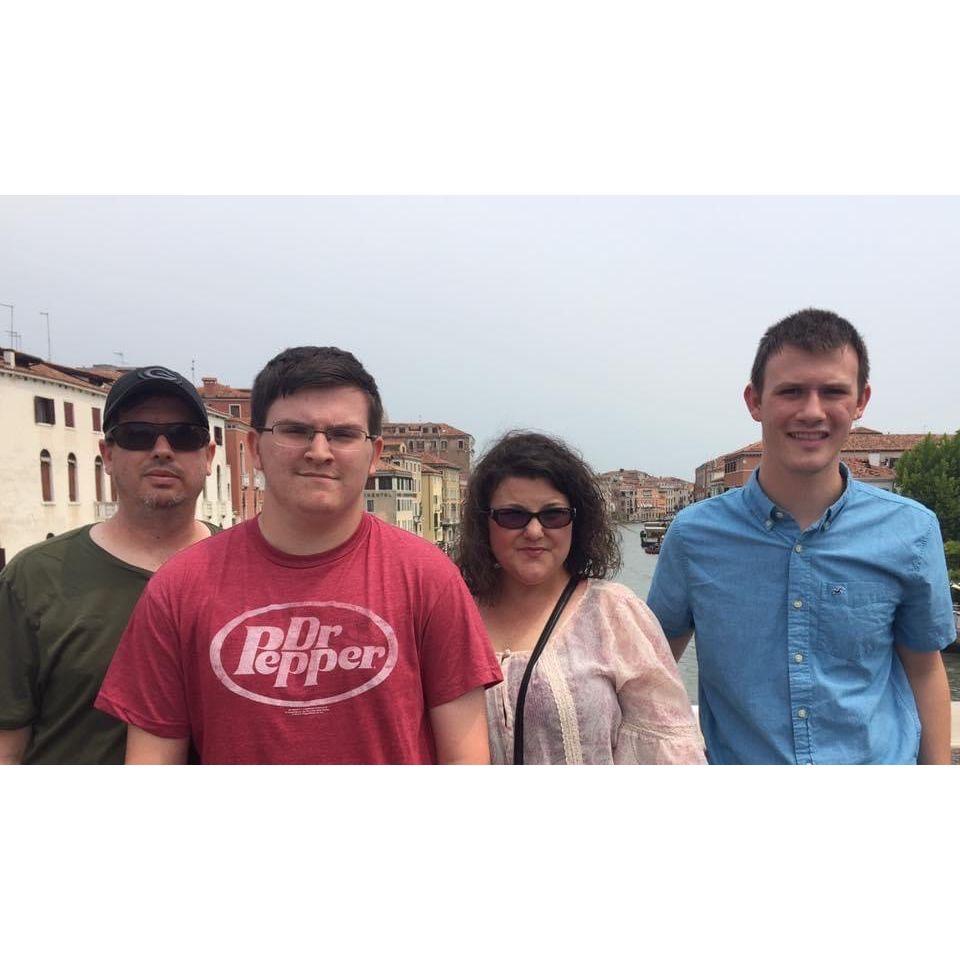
x=63, y=605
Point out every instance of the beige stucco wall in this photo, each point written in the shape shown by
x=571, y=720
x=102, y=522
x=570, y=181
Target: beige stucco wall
x=431, y=506
x=24, y=517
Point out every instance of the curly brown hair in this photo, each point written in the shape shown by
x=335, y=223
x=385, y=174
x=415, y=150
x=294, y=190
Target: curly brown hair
x=595, y=547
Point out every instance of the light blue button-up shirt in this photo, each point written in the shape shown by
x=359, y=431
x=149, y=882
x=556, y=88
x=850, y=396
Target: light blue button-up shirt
x=795, y=629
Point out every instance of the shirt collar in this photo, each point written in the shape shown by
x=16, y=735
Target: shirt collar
x=768, y=513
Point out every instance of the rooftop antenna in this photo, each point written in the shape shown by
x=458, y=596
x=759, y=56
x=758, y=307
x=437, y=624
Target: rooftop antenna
x=11, y=331
x=119, y=353
x=43, y=313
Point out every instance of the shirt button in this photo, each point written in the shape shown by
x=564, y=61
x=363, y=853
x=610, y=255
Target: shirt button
x=768, y=523
x=802, y=713
x=798, y=658
x=798, y=548
x=798, y=603
x=826, y=526
x=779, y=515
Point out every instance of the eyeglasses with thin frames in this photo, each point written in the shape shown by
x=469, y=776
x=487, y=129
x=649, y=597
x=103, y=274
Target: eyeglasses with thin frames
x=300, y=436
x=516, y=518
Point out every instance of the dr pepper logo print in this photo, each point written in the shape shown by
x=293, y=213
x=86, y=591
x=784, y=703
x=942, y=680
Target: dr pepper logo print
x=304, y=654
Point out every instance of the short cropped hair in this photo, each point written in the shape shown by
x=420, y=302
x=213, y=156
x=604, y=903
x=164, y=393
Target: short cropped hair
x=299, y=368
x=816, y=331
x=595, y=548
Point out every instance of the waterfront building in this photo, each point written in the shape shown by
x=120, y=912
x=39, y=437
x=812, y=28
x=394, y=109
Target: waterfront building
x=635, y=496
x=431, y=500
x=397, y=455
x=441, y=440
x=451, y=501
x=390, y=495
x=870, y=454
x=246, y=481
x=53, y=474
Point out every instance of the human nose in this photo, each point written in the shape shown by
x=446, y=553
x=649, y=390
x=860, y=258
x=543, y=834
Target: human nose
x=812, y=406
x=161, y=447
x=533, y=530
x=319, y=447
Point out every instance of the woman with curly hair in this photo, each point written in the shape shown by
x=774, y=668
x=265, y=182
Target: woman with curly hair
x=537, y=545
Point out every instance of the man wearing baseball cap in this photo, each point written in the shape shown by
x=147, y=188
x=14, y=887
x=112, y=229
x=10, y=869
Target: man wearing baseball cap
x=65, y=602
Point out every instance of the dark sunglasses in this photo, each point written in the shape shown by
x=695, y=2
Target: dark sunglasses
x=135, y=435
x=516, y=518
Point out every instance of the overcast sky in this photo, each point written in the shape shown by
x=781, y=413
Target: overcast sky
x=625, y=325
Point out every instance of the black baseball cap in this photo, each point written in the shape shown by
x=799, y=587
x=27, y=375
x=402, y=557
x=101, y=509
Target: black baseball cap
x=146, y=381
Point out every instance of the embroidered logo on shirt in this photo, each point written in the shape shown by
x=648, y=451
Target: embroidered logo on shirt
x=838, y=590
x=304, y=654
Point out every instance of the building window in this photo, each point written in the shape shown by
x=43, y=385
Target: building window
x=218, y=436
x=43, y=411
x=72, y=478
x=98, y=478
x=219, y=488
x=459, y=444
x=369, y=506
x=46, y=477
x=95, y=415
x=234, y=409
x=68, y=414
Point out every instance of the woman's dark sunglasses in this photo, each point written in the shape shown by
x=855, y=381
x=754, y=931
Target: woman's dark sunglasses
x=135, y=435
x=516, y=518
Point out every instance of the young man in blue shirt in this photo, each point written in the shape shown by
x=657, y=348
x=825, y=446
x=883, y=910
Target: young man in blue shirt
x=820, y=604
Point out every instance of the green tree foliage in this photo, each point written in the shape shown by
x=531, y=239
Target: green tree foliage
x=952, y=549
x=930, y=473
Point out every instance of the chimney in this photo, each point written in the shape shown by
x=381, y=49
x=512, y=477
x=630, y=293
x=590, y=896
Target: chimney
x=10, y=358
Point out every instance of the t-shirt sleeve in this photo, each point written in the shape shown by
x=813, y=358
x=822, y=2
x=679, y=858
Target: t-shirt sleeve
x=657, y=724
x=669, y=597
x=18, y=661
x=144, y=684
x=456, y=655
x=924, y=620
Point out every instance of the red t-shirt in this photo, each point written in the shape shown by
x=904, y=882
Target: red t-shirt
x=263, y=657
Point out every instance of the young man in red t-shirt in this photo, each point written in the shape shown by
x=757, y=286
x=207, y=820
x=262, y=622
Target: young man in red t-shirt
x=314, y=633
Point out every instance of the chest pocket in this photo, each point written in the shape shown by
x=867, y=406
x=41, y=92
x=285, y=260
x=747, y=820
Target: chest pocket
x=854, y=619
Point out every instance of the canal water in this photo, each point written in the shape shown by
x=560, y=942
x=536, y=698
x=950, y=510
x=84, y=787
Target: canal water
x=637, y=572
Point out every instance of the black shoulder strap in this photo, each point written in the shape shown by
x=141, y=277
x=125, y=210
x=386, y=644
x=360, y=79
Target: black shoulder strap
x=531, y=663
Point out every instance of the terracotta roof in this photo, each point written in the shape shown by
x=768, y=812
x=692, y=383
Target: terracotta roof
x=864, y=470
x=105, y=372
x=861, y=439
x=868, y=440
x=417, y=429
x=221, y=391
x=75, y=376
x=436, y=461
x=749, y=448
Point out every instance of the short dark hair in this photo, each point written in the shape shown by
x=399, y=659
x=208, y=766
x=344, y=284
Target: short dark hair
x=817, y=331
x=298, y=368
x=594, y=550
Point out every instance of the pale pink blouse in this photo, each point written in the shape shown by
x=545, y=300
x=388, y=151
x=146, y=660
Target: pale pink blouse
x=606, y=689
